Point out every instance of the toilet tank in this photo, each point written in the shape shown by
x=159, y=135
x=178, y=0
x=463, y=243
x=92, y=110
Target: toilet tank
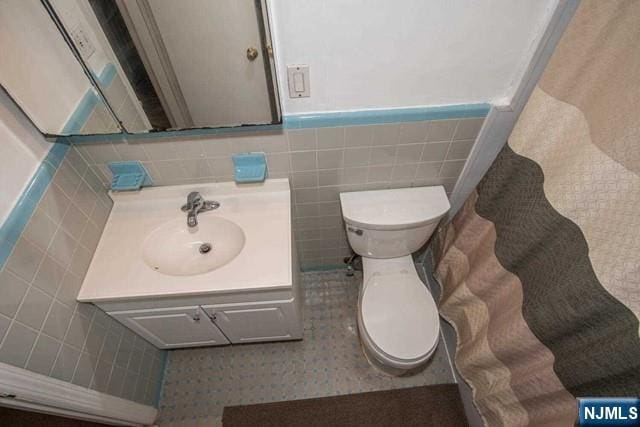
x=392, y=223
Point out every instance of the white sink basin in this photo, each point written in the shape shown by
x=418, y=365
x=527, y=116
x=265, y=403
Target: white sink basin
x=250, y=237
x=177, y=250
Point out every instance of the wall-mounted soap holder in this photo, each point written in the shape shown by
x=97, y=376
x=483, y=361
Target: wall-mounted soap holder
x=249, y=167
x=129, y=176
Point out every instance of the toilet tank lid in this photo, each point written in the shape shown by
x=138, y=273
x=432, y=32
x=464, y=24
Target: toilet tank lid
x=395, y=208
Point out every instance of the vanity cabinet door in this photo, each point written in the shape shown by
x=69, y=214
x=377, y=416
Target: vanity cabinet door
x=251, y=322
x=173, y=327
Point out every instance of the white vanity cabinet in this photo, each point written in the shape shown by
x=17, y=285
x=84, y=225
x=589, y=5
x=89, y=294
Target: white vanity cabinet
x=210, y=320
x=243, y=323
x=173, y=327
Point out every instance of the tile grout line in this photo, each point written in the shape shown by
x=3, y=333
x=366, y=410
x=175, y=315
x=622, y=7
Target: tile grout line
x=82, y=349
x=66, y=334
x=424, y=146
x=97, y=203
x=448, y=148
x=30, y=283
x=113, y=362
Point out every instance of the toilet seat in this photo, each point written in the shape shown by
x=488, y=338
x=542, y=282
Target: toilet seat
x=398, y=314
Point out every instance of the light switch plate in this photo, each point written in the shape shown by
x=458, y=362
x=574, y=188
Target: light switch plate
x=82, y=42
x=298, y=79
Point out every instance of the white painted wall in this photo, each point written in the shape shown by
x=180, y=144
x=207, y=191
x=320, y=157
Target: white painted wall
x=72, y=16
x=502, y=119
x=37, y=66
x=371, y=54
x=363, y=54
x=22, y=149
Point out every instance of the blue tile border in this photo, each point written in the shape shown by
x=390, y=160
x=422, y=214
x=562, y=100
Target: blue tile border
x=399, y=115
x=81, y=114
x=107, y=74
x=20, y=215
x=88, y=103
x=311, y=120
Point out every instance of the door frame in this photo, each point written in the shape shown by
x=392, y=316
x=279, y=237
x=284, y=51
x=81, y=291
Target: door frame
x=147, y=39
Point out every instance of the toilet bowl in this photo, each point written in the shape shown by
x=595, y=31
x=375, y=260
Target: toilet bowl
x=398, y=320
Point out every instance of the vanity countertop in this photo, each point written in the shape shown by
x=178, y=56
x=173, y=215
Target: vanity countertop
x=263, y=211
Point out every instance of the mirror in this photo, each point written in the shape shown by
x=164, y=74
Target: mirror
x=195, y=63
x=41, y=74
x=158, y=64
x=176, y=64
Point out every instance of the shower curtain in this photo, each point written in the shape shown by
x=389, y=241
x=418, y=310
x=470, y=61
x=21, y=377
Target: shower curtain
x=540, y=270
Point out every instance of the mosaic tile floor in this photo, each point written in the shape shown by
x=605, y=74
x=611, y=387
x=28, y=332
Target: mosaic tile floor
x=328, y=361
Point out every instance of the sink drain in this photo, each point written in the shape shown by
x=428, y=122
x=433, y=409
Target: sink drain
x=204, y=248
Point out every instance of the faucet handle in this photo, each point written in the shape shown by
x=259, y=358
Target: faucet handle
x=210, y=205
x=194, y=197
x=196, y=203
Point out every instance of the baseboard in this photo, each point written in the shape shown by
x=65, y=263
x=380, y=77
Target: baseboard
x=27, y=390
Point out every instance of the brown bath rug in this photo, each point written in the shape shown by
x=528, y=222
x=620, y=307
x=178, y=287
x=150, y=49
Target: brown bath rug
x=436, y=405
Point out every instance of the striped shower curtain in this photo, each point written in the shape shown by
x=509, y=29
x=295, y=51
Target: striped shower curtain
x=540, y=269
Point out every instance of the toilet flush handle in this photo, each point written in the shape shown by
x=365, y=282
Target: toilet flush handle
x=356, y=231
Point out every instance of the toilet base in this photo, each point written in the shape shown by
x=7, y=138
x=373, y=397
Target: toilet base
x=386, y=369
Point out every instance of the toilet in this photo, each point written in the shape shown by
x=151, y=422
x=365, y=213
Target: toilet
x=398, y=319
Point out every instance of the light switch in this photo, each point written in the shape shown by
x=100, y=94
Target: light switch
x=298, y=78
x=298, y=82
x=82, y=42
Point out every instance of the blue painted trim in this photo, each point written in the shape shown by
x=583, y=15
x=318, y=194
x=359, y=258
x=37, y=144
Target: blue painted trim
x=27, y=203
x=158, y=396
x=314, y=120
x=399, y=115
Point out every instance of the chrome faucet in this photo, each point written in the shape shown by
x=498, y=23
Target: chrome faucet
x=195, y=205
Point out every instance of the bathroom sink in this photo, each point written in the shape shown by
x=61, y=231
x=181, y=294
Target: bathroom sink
x=148, y=251
x=177, y=250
